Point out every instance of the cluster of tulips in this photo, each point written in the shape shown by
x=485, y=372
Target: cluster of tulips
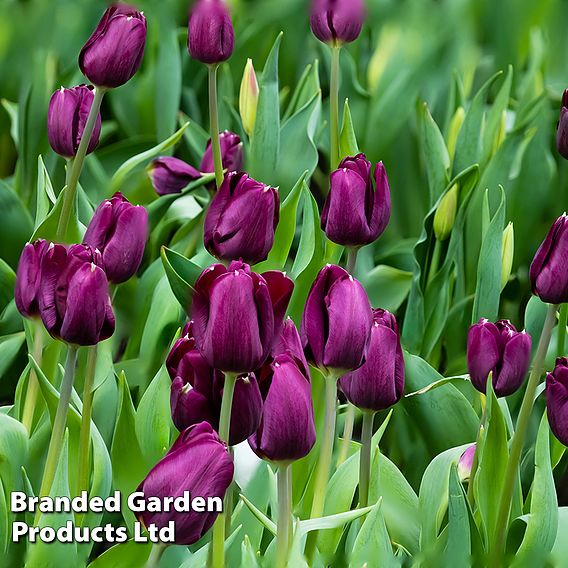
x=240, y=369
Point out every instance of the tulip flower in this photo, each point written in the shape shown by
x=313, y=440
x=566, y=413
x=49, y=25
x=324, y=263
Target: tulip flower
x=501, y=350
x=241, y=219
x=379, y=382
x=337, y=321
x=198, y=462
x=549, y=271
x=557, y=399
x=562, y=131
x=171, y=175
x=211, y=37
x=248, y=98
x=337, y=21
x=119, y=230
x=289, y=343
x=466, y=463
x=66, y=119
x=358, y=207
x=231, y=153
x=113, y=53
x=237, y=315
x=74, y=302
x=28, y=278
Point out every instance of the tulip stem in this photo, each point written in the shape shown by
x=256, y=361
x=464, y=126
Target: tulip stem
x=324, y=463
x=334, y=107
x=351, y=260
x=156, y=554
x=475, y=460
x=347, y=434
x=77, y=165
x=562, y=323
x=33, y=383
x=365, y=458
x=214, y=125
x=434, y=262
x=54, y=451
x=284, y=526
x=518, y=441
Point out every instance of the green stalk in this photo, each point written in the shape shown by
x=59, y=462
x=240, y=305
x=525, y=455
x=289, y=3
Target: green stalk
x=562, y=323
x=499, y=538
x=435, y=262
x=284, y=526
x=214, y=125
x=365, y=458
x=347, y=434
x=54, y=451
x=77, y=165
x=33, y=383
x=475, y=461
x=324, y=463
x=217, y=556
x=155, y=555
x=334, y=107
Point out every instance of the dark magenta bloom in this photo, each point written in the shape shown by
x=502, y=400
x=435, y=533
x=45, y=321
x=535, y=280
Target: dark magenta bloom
x=358, y=207
x=549, y=270
x=337, y=320
x=211, y=37
x=198, y=462
x=28, y=278
x=231, y=153
x=337, y=21
x=498, y=348
x=119, y=230
x=379, y=383
x=557, y=399
x=241, y=219
x=74, y=302
x=237, y=314
x=197, y=392
x=171, y=175
x=562, y=130
x=113, y=53
x=66, y=119
x=289, y=343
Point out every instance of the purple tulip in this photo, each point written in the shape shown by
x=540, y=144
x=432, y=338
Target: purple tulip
x=379, y=383
x=210, y=36
x=119, y=230
x=199, y=463
x=498, y=348
x=356, y=213
x=74, y=302
x=337, y=321
x=241, y=219
x=549, y=271
x=557, y=399
x=66, y=119
x=171, y=175
x=562, y=131
x=337, y=21
x=237, y=314
x=113, y=53
x=231, y=153
x=289, y=343
x=197, y=391
x=466, y=463
x=28, y=278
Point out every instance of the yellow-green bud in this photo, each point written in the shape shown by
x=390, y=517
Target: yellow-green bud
x=454, y=130
x=445, y=215
x=507, y=254
x=248, y=98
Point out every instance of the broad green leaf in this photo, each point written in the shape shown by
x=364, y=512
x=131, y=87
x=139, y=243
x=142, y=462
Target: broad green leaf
x=458, y=549
x=347, y=138
x=535, y=315
x=332, y=521
x=182, y=274
x=495, y=114
x=199, y=558
x=560, y=550
x=16, y=225
x=307, y=87
x=260, y=516
x=7, y=283
x=45, y=195
x=10, y=346
x=387, y=287
x=128, y=554
x=437, y=384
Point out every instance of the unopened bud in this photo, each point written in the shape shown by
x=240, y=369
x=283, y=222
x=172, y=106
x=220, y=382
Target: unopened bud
x=248, y=98
x=446, y=214
x=454, y=130
x=507, y=254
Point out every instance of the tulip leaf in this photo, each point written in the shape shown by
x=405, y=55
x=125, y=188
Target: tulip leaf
x=7, y=283
x=249, y=558
x=307, y=86
x=128, y=554
x=535, y=315
x=458, y=549
x=45, y=195
x=199, y=558
x=182, y=274
x=10, y=346
x=269, y=525
x=438, y=384
x=332, y=521
x=347, y=138
x=559, y=552
x=387, y=286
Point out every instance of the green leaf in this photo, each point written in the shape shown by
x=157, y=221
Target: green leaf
x=560, y=550
x=332, y=521
x=387, y=287
x=15, y=225
x=347, y=138
x=495, y=114
x=7, y=283
x=260, y=516
x=458, y=549
x=44, y=194
x=535, y=315
x=128, y=554
x=10, y=346
x=182, y=274
x=437, y=384
x=307, y=87
x=249, y=558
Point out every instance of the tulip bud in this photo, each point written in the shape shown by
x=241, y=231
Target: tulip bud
x=465, y=464
x=501, y=350
x=337, y=321
x=562, y=131
x=113, y=53
x=199, y=463
x=445, y=215
x=454, y=130
x=28, y=278
x=248, y=98
x=197, y=392
x=229, y=232
x=355, y=213
x=337, y=21
x=119, y=230
x=379, y=383
x=507, y=254
x=289, y=343
x=66, y=119
x=74, y=302
x=211, y=37
x=231, y=153
x=171, y=175
x=557, y=399
x=549, y=272
x=237, y=315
